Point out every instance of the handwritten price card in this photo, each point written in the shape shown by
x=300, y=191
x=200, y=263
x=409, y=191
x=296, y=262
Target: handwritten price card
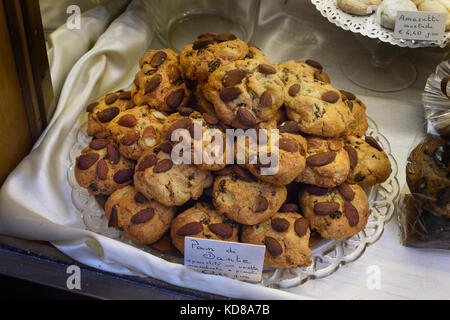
x=411, y=25
x=230, y=259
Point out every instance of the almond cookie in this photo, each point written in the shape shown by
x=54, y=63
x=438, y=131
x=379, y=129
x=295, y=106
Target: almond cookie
x=210, y=153
x=103, y=112
x=286, y=237
x=144, y=221
x=327, y=163
x=358, y=7
x=244, y=199
x=136, y=130
x=160, y=82
x=427, y=175
x=202, y=221
x=101, y=169
x=335, y=213
x=245, y=93
x=158, y=178
x=368, y=162
x=209, y=52
x=289, y=155
x=358, y=124
x=293, y=73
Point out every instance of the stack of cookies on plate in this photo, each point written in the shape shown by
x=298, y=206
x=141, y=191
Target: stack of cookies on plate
x=216, y=84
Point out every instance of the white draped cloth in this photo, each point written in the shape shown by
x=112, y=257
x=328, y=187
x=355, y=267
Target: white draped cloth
x=35, y=200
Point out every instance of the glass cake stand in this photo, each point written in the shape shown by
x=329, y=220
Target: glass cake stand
x=327, y=255
x=380, y=66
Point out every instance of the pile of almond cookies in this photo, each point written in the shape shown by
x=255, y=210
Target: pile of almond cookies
x=221, y=83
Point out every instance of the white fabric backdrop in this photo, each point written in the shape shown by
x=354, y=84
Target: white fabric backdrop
x=35, y=201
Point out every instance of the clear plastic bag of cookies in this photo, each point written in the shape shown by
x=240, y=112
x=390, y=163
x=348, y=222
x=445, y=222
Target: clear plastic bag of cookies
x=424, y=206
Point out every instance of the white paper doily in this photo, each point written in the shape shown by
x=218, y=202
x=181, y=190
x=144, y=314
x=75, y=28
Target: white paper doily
x=369, y=27
x=327, y=255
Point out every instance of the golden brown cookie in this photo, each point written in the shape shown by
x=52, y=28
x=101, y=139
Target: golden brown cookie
x=209, y=52
x=144, y=221
x=368, y=162
x=318, y=109
x=293, y=73
x=335, y=213
x=243, y=199
x=290, y=159
x=327, y=163
x=160, y=82
x=202, y=221
x=358, y=124
x=286, y=237
x=427, y=175
x=210, y=154
x=157, y=177
x=103, y=112
x=101, y=169
x=136, y=130
x=245, y=93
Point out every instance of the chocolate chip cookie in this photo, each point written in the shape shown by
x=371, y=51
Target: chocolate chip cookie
x=103, y=112
x=427, y=175
x=244, y=199
x=202, y=221
x=158, y=177
x=369, y=164
x=335, y=213
x=209, y=52
x=245, y=93
x=160, y=82
x=101, y=169
x=286, y=237
x=327, y=162
x=144, y=221
x=137, y=130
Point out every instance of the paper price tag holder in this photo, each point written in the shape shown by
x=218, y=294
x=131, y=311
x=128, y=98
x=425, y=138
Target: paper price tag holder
x=230, y=259
x=411, y=25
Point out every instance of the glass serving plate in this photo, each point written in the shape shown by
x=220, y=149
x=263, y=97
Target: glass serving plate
x=327, y=255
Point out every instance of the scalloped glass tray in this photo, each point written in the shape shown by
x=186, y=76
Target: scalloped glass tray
x=327, y=255
x=369, y=27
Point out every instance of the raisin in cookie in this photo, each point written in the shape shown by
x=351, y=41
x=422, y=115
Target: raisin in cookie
x=157, y=177
x=160, y=82
x=101, y=169
x=210, y=51
x=427, y=175
x=243, y=199
x=103, y=112
x=318, y=108
x=144, y=221
x=202, y=221
x=368, y=162
x=245, y=93
x=358, y=124
x=137, y=130
x=289, y=156
x=327, y=163
x=335, y=213
x=286, y=237
x=293, y=73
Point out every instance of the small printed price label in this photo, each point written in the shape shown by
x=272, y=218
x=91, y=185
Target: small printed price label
x=230, y=259
x=410, y=25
